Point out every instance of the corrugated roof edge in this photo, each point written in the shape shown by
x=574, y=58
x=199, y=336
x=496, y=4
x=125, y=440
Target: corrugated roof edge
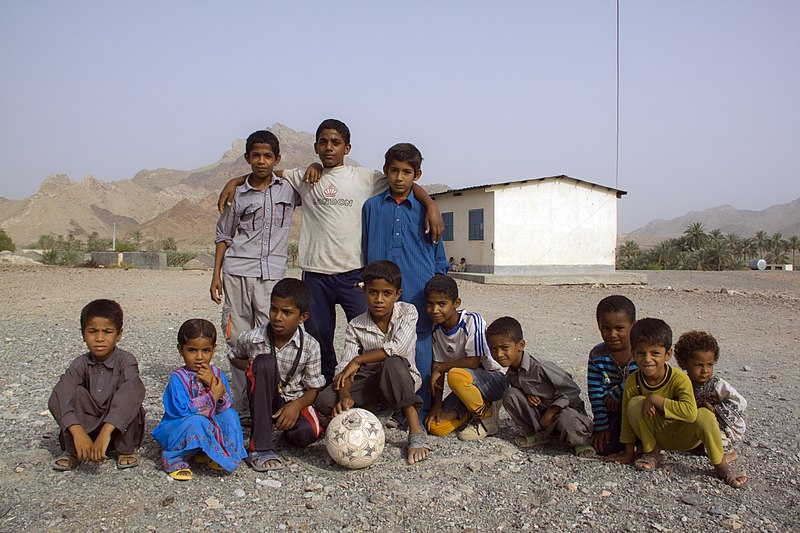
x=620, y=193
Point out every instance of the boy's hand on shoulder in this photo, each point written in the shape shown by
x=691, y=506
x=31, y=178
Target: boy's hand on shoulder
x=83, y=443
x=434, y=225
x=533, y=400
x=313, y=174
x=344, y=404
x=549, y=416
x=611, y=404
x=228, y=192
x=286, y=417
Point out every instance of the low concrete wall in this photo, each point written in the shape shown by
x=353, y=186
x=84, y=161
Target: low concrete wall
x=148, y=260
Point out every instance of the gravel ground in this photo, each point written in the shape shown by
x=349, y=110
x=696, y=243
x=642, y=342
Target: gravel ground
x=463, y=486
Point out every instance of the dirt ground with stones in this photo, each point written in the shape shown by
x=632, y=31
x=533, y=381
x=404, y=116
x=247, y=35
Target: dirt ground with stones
x=486, y=485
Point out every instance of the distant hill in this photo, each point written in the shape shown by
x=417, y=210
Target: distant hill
x=783, y=219
x=158, y=203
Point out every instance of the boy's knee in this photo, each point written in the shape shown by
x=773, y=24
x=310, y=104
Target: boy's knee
x=459, y=378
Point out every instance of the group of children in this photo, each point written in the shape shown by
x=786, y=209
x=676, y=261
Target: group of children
x=406, y=336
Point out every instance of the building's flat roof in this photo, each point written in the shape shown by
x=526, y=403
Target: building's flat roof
x=618, y=192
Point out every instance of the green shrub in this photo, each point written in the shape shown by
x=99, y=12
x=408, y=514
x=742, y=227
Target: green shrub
x=6, y=243
x=177, y=259
x=50, y=257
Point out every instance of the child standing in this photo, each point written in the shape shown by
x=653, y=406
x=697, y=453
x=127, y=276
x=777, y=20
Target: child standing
x=610, y=363
x=461, y=353
x=283, y=375
x=98, y=400
x=543, y=399
x=659, y=407
x=330, y=234
x=251, y=247
x=198, y=420
x=378, y=365
x=697, y=352
x=393, y=226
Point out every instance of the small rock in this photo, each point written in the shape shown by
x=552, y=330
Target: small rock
x=730, y=523
x=213, y=503
x=605, y=494
x=746, y=368
x=474, y=467
x=657, y=526
x=691, y=499
x=270, y=483
x=310, y=505
x=716, y=511
x=239, y=493
x=169, y=500
x=198, y=523
x=572, y=487
x=377, y=498
x=4, y=509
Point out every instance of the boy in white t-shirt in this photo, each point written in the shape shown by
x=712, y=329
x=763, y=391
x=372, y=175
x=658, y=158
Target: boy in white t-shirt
x=330, y=235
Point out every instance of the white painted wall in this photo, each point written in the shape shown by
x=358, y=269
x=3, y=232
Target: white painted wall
x=479, y=254
x=554, y=223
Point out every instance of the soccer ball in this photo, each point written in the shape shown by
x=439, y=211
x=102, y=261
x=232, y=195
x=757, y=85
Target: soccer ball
x=355, y=438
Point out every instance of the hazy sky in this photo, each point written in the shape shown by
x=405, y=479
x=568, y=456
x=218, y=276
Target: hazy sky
x=489, y=91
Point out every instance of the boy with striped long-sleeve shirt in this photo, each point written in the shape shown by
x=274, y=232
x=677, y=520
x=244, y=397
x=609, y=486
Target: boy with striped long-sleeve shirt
x=610, y=363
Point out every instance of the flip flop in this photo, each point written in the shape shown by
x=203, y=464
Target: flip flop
x=258, y=461
x=123, y=466
x=585, y=451
x=203, y=459
x=184, y=474
x=73, y=462
x=529, y=441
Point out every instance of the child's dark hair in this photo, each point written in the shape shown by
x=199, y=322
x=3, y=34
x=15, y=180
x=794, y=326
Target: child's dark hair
x=263, y=137
x=194, y=328
x=108, y=309
x=695, y=341
x=652, y=330
x=385, y=270
x=294, y=290
x=616, y=304
x=442, y=284
x=507, y=327
x=334, y=124
x=404, y=153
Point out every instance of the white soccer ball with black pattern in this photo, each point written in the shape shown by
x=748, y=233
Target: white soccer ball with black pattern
x=355, y=438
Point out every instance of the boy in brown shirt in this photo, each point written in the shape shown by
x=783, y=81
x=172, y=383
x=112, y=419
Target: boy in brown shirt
x=98, y=400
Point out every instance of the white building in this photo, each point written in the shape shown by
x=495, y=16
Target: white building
x=555, y=225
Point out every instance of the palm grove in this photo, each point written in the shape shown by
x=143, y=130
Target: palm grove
x=697, y=249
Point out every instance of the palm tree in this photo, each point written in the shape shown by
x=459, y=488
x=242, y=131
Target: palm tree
x=719, y=255
x=794, y=246
x=663, y=253
x=695, y=235
x=715, y=235
x=628, y=255
x=761, y=242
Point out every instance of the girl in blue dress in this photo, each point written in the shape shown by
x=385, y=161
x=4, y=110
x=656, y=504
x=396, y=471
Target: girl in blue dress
x=198, y=420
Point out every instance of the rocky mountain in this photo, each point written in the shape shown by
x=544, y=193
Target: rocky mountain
x=158, y=203
x=783, y=219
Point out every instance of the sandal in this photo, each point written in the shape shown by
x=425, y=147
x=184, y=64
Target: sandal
x=647, y=462
x=132, y=457
x=417, y=441
x=69, y=458
x=204, y=459
x=731, y=475
x=529, y=441
x=184, y=474
x=258, y=461
x=585, y=451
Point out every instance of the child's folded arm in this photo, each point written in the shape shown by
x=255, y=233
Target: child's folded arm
x=682, y=408
x=404, y=339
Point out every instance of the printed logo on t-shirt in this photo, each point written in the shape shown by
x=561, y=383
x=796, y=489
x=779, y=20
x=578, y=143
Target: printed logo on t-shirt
x=329, y=198
x=330, y=191
x=450, y=349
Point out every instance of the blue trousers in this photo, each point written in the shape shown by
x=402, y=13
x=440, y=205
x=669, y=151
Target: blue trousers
x=327, y=290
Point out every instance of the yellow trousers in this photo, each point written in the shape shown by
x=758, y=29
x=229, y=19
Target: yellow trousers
x=676, y=434
x=460, y=382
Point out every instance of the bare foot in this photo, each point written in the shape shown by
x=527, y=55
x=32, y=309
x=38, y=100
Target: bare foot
x=416, y=455
x=731, y=456
x=418, y=448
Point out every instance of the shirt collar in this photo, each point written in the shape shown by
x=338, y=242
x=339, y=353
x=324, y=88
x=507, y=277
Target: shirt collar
x=247, y=187
x=410, y=200
x=263, y=337
x=109, y=361
x=525, y=363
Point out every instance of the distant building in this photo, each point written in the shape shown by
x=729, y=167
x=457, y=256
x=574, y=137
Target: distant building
x=537, y=226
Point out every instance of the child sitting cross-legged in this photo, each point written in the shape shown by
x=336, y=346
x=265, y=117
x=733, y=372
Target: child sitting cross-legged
x=198, y=421
x=697, y=352
x=378, y=365
x=543, y=399
x=461, y=354
x=284, y=372
x=659, y=407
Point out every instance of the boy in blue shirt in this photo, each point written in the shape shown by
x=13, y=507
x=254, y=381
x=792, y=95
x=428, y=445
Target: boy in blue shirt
x=393, y=226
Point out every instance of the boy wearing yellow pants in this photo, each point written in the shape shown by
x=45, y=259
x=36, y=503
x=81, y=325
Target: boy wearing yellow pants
x=659, y=408
x=461, y=354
